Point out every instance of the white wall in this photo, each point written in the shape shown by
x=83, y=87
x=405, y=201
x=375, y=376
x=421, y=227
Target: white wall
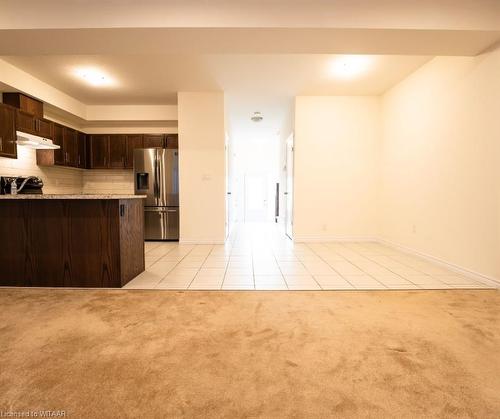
x=202, y=190
x=336, y=167
x=440, y=161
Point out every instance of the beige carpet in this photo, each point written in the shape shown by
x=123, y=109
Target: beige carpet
x=165, y=354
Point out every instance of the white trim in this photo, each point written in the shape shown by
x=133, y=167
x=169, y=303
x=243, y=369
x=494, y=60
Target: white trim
x=201, y=241
x=451, y=266
x=316, y=239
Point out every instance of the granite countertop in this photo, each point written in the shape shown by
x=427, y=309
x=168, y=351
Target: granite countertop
x=68, y=196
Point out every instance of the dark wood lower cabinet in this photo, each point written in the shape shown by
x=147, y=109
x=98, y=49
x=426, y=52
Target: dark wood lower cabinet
x=71, y=242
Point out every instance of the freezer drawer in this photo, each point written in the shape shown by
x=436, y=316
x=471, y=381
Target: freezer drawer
x=161, y=223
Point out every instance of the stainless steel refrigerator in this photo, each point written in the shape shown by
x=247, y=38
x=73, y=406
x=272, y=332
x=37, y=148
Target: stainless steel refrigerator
x=156, y=175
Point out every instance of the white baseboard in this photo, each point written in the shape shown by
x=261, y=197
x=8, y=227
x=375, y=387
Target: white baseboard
x=448, y=265
x=317, y=239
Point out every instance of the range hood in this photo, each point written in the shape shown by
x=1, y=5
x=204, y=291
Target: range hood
x=34, y=141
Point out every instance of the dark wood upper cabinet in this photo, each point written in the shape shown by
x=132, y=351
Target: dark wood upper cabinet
x=117, y=151
x=154, y=140
x=58, y=139
x=70, y=147
x=133, y=141
x=44, y=128
x=25, y=103
x=99, y=151
x=25, y=122
x=82, y=150
x=172, y=141
x=8, y=145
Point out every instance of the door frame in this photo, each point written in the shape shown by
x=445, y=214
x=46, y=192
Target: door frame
x=289, y=195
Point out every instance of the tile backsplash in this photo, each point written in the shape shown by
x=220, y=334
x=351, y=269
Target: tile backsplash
x=66, y=180
x=108, y=181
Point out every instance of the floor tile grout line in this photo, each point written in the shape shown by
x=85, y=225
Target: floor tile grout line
x=229, y=261
x=171, y=250
x=423, y=273
x=199, y=269
x=281, y=272
x=401, y=276
x=175, y=266
x=370, y=275
x=333, y=270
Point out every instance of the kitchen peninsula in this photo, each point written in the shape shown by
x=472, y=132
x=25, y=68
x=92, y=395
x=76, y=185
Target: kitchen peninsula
x=71, y=240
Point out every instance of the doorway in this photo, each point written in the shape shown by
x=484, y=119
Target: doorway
x=256, y=198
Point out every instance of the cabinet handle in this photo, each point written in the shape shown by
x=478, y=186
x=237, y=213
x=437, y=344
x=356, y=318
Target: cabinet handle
x=1, y=143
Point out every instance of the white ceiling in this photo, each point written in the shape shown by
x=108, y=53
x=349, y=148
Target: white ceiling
x=400, y=14
x=251, y=82
x=156, y=79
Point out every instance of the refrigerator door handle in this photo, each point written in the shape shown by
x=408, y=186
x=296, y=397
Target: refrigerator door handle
x=156, y=178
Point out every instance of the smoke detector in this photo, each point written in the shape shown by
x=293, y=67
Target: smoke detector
x=257, y=117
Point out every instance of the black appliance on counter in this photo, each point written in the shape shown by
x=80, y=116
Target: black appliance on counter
x=25, y=184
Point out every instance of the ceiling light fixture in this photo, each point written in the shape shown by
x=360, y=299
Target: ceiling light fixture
x=94, y=77
x=350, y=66
x=257, y=117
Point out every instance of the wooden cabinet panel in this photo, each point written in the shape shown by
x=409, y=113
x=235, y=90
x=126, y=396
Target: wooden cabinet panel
x=172, y=140
x=71, y=243
x=154, y=140
x=44, y=127
x=25, y=103
x=117, y=151
x=133, y=141
x=99, y=151
x=25, y=122
x=8, y=146
x=58, y=139
x=82, y=150
x=70, y=146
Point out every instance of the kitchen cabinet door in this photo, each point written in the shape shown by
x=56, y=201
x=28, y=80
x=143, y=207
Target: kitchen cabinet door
x=8, y=146
x=43, y=128
x=133, y=141
x=82, y=150
x=99, y=151
x=58, y=139
x=154, y=140
x=25, y=122
x=70, y=147
x=117, y=151
x=172, y=140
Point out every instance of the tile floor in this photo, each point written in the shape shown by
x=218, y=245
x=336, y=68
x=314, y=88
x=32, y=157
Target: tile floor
x=261, y=257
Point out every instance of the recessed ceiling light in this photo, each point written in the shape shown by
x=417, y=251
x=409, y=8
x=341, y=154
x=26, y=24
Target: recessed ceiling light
x=94, y=77
x=349, y=66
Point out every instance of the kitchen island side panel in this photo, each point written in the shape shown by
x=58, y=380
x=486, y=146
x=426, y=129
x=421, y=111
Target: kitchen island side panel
x=67, y=243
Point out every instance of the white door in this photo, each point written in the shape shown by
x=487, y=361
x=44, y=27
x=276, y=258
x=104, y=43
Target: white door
x=256, y=197
x=289, y=188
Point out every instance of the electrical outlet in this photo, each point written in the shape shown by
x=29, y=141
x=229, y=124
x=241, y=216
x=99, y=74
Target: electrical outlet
x=414, y=229
x=324, y=227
